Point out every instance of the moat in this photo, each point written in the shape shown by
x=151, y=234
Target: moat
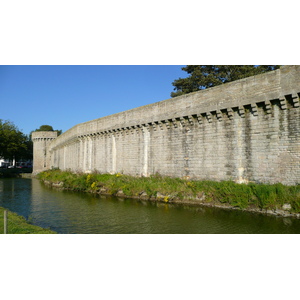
x=70, y=212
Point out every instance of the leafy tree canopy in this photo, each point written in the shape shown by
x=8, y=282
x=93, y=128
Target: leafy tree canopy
x=48, y=128
x=45, y=128
x=13, y=143
x=202, y=77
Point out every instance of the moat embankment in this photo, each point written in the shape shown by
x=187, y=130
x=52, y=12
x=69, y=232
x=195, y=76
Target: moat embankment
x=80, y=212
x=275, y=199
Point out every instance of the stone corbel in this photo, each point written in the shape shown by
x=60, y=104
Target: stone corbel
x=154, y=126
x=199, y=119
x=145, y=127
x=137, y=128
x=208, y=116
x=161, y=125
x=254, y=109
x=174, y=122
x=109, y=133
x=219, y=115
x=191, y=120
x=230, y=113
x=242, y=111
x=133, y=128
x=295, y=99
x=283, y=103
x=182, y=121
x=122, y=131
x=268, y=107
x=118, y=131
x=167, y=124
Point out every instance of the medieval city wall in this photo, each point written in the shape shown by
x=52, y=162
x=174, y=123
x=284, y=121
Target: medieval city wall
x=247, y=130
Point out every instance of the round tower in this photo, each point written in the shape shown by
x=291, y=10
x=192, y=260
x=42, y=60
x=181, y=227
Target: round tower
x=41, y=157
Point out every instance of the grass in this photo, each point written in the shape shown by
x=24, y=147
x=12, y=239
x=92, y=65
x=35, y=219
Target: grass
x=166, y=189
x=18, y=225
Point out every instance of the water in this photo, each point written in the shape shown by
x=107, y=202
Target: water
x=70, y=212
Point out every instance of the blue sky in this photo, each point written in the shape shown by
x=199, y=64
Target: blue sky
x=63, y=96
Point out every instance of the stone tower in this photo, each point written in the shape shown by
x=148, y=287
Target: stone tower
x=41, y=139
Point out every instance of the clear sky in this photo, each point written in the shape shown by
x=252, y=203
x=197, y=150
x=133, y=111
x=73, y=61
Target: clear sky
x=63, y=96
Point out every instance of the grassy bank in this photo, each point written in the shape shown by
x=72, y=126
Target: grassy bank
x=158, y=188
x=17, y=224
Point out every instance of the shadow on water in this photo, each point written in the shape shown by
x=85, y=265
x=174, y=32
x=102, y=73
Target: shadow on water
x=70, y=212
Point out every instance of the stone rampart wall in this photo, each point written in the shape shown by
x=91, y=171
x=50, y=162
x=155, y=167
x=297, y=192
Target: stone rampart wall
x=247, y=130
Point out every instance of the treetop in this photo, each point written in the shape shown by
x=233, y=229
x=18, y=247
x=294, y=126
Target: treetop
x=203, y=77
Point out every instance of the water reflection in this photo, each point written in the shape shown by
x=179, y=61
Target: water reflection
x=69, y=212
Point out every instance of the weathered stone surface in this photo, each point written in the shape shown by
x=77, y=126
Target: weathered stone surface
x=120, y=193
x=160, y=196
x=41, y=156
x=247, y=130
x=143, y=196
x=58, y=184
x=286, y=206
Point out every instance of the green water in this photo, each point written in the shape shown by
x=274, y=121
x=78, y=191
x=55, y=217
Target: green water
x=69, y=212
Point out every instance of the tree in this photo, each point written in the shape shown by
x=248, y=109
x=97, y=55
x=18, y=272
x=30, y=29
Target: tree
x=13, y=143
x=48, y=128
x=45, y=128
x=202, y=77
x=28, y=153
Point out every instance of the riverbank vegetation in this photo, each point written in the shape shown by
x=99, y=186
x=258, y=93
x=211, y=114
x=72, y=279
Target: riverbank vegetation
x=18, y=224
x=276, y=197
